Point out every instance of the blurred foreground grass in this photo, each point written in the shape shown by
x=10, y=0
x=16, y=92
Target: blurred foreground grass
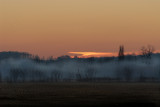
x=80, y=94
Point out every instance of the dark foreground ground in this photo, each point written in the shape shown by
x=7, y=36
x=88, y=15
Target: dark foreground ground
x=80, y=94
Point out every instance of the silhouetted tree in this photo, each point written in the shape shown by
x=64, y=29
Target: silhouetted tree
x=90, y=73
x=147, y=53
x=128, y=73
x=17, y=75
x=14, y=74
x=75, y=57
x=33, y=75
x=121, y=52
x=50, y=58
x=37, y=58
x=12, y=54
x=22, y=75
x=56, y=75
x=70, y=75
x=65, y=57
x=78, y=75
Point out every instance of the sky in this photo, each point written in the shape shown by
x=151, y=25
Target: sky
x=60, y=27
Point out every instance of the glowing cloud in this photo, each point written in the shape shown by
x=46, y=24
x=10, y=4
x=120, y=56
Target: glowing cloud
x=94, y=54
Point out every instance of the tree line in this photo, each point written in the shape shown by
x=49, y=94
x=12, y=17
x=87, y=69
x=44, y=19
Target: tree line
x=88, y=72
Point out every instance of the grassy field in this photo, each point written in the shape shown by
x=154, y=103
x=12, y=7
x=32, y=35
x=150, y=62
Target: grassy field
x=80, y=94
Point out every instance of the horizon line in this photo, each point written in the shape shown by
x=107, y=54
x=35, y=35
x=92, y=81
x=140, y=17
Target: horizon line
x=104, y=54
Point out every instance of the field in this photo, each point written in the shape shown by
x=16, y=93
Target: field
x=80, y=94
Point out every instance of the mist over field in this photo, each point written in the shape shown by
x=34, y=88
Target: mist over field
x=78, y=69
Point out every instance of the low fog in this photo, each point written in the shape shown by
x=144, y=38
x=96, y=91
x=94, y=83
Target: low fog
x=27, y=70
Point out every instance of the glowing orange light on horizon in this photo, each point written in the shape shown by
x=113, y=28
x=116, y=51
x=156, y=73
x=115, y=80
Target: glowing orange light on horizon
x=93, y=54
x=104, y=54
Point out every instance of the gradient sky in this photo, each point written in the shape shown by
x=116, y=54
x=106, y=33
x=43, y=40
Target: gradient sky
x=56, y=27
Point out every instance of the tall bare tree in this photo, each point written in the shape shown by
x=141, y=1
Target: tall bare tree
x=121, y=52
x=147, y=52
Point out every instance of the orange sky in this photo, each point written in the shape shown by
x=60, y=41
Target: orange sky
x=56, y=27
